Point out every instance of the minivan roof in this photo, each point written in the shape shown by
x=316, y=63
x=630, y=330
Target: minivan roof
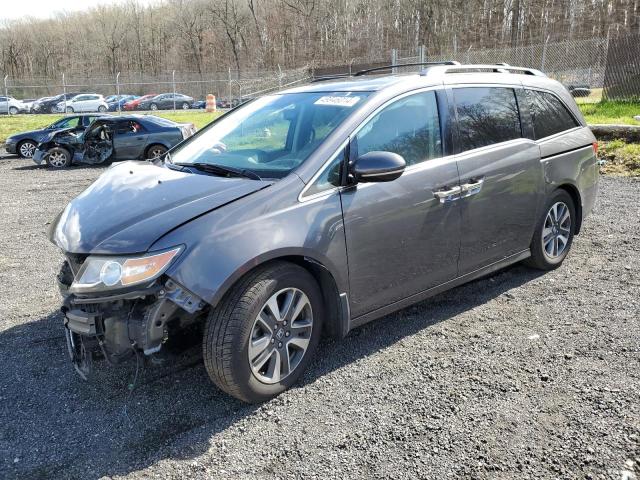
x=430, y=76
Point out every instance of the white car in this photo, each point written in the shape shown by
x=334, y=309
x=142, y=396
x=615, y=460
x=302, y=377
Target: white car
x=85, y=102
x=11, y=106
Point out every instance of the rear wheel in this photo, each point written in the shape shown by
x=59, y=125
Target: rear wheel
x=26, y=148
x=52, y=109
x=69, y=109
x=260, y=338
x=102, y=108
x=153, y=107
x=58, y=158
x=185, y=106
x=554, y=234
x=155, y=151
x=13, y=111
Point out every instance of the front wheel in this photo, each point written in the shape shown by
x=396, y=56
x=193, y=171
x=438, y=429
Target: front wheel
x=153, y=107
x=69, y=109
x=260, y=338
x=554, y=234
x=58, y=158
x=26, y=148
x=13, y=111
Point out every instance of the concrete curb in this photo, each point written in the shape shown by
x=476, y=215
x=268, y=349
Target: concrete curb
x=630, y=133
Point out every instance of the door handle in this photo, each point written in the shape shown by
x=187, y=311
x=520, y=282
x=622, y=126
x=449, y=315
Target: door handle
x=447, y=195
x=473, y=187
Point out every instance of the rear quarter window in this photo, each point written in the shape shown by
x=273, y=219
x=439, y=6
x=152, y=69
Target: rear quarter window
x=486, y=115
x=548, y=114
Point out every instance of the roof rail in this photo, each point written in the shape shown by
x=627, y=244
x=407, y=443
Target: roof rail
x=496, y=68
x=329, y=77
x=390, y=67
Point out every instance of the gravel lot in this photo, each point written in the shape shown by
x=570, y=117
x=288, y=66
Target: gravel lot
x=518, y=375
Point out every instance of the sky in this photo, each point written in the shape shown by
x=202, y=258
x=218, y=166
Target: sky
x=13, y=9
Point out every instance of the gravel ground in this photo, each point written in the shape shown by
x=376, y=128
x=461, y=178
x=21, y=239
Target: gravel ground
x=519, y=375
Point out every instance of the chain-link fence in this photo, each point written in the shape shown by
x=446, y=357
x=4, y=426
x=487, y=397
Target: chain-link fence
x=229, y=86
x=574, y=63
x=622, y=75
x=577, y=62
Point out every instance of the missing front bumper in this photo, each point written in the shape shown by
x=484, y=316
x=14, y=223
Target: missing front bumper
x=117, y=326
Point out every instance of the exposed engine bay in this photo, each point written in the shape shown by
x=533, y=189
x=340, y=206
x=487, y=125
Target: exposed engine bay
x=119, y=326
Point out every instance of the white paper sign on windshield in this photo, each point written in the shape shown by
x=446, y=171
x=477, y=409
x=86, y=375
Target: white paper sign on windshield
x=337, y=101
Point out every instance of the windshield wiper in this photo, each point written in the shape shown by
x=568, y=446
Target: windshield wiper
x=221, y=170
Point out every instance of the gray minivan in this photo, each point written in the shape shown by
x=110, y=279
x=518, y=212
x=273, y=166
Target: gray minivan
x=314, y=210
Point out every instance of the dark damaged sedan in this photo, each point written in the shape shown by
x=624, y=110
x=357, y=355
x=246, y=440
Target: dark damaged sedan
x=127, y=137
x=319, y=209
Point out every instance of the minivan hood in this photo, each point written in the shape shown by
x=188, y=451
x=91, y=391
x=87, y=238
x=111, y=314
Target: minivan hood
x=133, y=204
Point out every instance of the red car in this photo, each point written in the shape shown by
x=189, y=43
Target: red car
x=133, y=104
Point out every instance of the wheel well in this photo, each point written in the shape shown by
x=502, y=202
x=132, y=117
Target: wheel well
x=335, y=324
x=577, y=203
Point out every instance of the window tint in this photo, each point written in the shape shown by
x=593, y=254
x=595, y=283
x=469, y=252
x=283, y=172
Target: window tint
x=408, y=127
x=548, y=114
x=486, y=115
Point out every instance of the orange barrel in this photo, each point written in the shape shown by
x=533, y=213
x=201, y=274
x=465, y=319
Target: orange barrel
x=211, y=103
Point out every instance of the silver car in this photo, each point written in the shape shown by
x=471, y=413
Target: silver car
x=317, y=209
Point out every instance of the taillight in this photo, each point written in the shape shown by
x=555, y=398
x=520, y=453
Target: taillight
x=595, y=148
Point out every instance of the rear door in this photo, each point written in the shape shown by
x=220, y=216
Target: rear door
x=4, y=104
x=129, y=140
x=401, y=237
x=501, y=175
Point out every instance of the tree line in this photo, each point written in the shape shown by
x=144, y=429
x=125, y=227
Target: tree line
x=208, y=36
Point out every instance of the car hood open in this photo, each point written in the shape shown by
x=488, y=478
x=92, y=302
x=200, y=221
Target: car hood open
x=133, y=204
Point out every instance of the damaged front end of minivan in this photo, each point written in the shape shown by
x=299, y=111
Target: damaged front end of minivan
x=117, y=307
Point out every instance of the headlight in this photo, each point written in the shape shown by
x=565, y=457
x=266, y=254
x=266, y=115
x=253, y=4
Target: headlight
x=10, y=140
x=106, y=273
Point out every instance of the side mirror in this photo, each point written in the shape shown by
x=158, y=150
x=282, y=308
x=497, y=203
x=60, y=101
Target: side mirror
x=378, y=167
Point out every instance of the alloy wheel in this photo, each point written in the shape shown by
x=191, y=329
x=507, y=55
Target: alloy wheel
x=280, y=335
x=557, y=230
x=57, y=159
x=156, y=152
x=27, y=149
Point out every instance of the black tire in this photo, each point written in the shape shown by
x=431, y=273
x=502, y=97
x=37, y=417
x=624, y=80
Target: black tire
x=155, y=151
x=62, y=158
x=26, y=146
x=229, y=328
x=540, y=258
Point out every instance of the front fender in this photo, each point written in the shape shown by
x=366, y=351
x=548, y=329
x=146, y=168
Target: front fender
x=224, y=245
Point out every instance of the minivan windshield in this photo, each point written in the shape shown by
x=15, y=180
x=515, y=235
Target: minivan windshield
x=271, y=135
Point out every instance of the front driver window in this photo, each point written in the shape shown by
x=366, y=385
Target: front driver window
x=409, y=127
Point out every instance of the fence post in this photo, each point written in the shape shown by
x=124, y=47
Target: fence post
x=118, y=91
x=230, y=86
x=544, y=54
x=394, y=60
x=173, y=82
x=468, y=55
x=64, y=91
x=422, y=54
x=6, y=91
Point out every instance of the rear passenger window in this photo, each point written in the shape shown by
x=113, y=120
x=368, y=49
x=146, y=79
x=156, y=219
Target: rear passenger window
x=486, y=115
x=548, y=114
x=409, y=127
